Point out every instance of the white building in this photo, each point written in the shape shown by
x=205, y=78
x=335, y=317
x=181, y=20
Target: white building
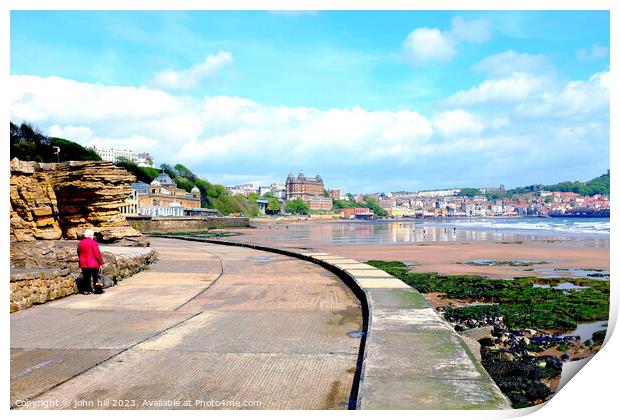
x=113, y=155
x=174, y=209
x=243, y=189
x=278, y=190
x=439, y=193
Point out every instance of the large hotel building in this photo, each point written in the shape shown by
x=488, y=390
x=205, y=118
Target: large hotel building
x=309, y=190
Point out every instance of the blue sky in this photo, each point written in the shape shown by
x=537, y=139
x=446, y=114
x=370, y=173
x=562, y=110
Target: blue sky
x=374, y=101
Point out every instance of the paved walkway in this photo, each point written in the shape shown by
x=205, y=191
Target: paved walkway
x=206, y=323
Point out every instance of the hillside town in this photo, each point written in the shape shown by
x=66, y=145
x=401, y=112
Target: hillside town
x=162, y=197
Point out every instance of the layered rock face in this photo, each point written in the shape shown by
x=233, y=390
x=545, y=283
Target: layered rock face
x=54, y=201
x=34, y=208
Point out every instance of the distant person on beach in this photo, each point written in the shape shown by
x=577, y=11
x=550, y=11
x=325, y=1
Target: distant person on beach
x=90, y=262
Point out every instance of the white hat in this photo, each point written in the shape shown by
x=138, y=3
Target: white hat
x=89, y=233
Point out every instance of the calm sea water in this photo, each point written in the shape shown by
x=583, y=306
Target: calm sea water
x=590, y=231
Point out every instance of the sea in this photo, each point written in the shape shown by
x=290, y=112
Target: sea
x=589, y=231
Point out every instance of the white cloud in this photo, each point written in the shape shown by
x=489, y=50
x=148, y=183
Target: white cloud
x=425, y=46
x=476, y=31
x=458, y=123
x=79, y=134
x=195, y=75
x=577, y=99
x=509, y=62
x=428, y=45
x=595, y=52
x=221, y=128
x=64, y=101
x=510, y=89
x=231, y=137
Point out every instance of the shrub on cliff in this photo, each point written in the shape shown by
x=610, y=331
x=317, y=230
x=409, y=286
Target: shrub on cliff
x=142, y=173
x=28, y=143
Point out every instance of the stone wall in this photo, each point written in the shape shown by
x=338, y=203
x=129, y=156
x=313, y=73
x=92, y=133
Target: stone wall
x=29, y=287
x=32, y=286
x=185, y=224
x=59, y=201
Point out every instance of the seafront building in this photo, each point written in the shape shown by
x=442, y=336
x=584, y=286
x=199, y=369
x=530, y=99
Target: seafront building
x=162, y=197
x=309, y=190
x=303, y=187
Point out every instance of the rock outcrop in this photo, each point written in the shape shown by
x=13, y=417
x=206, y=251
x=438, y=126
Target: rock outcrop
x=34, y=207
x=60, y=201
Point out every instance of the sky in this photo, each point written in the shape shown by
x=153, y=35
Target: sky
x=372, y=101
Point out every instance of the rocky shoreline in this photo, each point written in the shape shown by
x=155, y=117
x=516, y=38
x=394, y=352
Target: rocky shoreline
x=525, y=363
x=509, y=326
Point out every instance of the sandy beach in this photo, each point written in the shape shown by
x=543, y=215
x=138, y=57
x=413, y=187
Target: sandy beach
x=448, y=257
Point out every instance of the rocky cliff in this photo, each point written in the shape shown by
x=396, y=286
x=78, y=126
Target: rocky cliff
x=60, y=201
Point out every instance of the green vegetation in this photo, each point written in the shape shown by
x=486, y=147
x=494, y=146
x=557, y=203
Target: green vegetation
x=236, y=204
x=497, y=195
x=599, y=185
x=343, y=204
x=143, y=174
x=521, y=304
x=273, y=206
x=469, y=192
x=376, y=209
x=297, y=206
x=28, y=143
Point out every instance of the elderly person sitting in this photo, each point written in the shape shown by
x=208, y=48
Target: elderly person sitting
x=90, y=261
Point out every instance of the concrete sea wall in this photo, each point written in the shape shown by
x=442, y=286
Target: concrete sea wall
x=184, y=224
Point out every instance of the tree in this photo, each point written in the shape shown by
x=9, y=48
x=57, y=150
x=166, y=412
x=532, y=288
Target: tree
x=375, y=207
x=268, y=194
x=28, y=143
x=349, y=196
x=143, y=174
x=468, y=192
x=297, y=206
x=184, y=172
x=342, y=204
x=253, y=196
x=273, y=206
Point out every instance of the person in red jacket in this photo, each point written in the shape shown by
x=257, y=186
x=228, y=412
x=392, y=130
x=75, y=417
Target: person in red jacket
x=90, y=261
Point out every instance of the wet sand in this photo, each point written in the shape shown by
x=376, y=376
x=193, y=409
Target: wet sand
x=448, y=257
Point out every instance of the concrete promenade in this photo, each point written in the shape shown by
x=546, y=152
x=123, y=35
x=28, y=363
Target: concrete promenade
x=205, y=323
